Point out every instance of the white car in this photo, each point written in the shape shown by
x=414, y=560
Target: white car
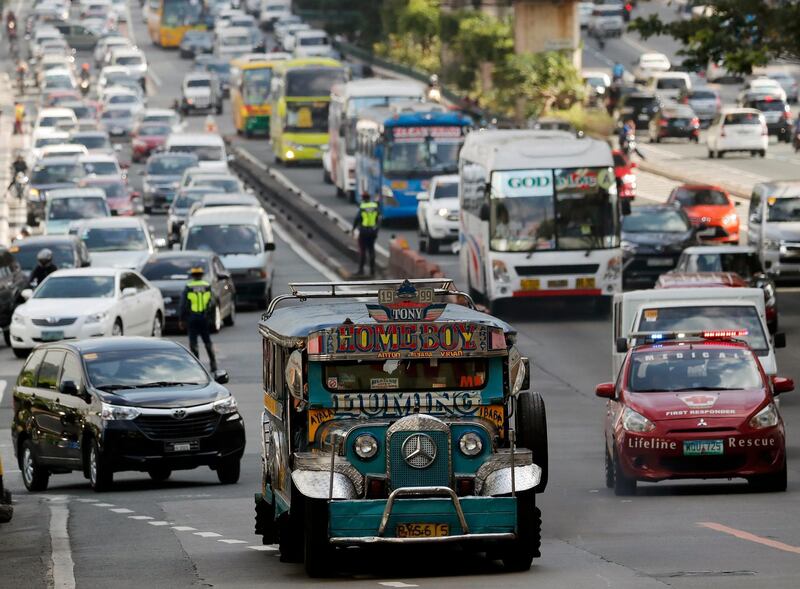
x=118, y=96
x=760, y=88
x=56, y=119
x=313, y=43
x=42, y=138
x=112, y=77
x=585, y=10
x=166, y=116
x=669, y=85
x=273, y=11
x=738, y=129
x=58, y=79
x=117, y=242
x=63, y=149
x=607, y=20
x=650, y=64
x=105, y=44
x=130, y=58
x=87, y=302
x=437, y=213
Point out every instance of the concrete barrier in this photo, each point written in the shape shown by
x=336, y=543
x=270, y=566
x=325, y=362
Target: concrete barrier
x=406, y=263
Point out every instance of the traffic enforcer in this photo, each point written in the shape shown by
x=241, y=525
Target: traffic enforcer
x=396, y=413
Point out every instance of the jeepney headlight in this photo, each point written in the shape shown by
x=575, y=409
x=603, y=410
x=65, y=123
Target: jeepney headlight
x=500, y=271
x=470, y=444
x=636, y=422
x=767, y=417
x=365, y=446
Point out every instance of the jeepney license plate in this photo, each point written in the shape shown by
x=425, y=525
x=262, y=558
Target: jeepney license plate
x=52, y=336
x=529, y=284
x=702, y=448
x=422, y=530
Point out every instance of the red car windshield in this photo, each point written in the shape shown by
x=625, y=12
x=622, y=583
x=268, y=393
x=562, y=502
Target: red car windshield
x=695, y=368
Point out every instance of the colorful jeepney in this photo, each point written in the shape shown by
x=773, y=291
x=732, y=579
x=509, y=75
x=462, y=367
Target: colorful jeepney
x=388, y=420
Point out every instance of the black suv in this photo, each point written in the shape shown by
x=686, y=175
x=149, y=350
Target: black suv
x=12, y=282
x=640, y=107
x=103, y=405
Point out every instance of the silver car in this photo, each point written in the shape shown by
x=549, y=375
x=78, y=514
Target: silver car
x=788, y=83
x=705, y=103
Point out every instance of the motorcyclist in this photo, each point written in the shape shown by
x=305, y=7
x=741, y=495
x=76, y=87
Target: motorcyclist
x=617, y=72
x=434, y=89
x=17, y=166
x=85, y=73
x=44, y=267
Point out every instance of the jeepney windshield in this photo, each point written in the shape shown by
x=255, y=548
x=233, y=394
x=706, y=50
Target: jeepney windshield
x=561, y=209
x=447, y=374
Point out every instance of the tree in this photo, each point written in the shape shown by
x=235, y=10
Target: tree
x=742, y=34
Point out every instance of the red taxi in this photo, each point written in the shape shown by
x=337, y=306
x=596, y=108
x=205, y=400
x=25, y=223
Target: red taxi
x=693, y=406
x=147, y=138
x=711, y=209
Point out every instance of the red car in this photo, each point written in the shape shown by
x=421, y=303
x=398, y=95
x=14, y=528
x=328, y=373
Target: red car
x=711, y=209
x=696, y=407
x=122, y=201
x=147, y=138
x=624, y=172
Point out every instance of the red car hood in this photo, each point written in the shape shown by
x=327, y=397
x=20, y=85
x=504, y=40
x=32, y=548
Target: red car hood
x=667, y=406
x=713, y=212
x=151, y=140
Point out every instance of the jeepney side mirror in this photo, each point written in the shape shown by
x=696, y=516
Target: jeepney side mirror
x=622, y=345
x=526, y=381
x=294, y=375
x=779, y=340
x=517, y=372
x=484, y=212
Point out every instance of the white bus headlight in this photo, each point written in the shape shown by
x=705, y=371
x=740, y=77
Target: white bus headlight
x=365, y=446
x=470, y=444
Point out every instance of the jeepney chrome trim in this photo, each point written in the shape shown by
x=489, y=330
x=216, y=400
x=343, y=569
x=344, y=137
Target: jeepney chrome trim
x=501, y=459
x=423, y=492
x=282, y=340
x=360, y=541
x=417, y=422
x=505, y=481
x=308, y=461
x=317, y=484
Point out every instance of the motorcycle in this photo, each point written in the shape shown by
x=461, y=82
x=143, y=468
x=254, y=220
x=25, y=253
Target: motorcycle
x=629, y=144
x=84, y=86
x=20, y=183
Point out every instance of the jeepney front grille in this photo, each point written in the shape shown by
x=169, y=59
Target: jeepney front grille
x=403, y=474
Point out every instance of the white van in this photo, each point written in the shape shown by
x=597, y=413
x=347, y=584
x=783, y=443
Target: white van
x=694, y=309
x=273, y=11
x=313, y=43
x=208, y=147
x=668, y=85
x=774, y=225
x=231, y=42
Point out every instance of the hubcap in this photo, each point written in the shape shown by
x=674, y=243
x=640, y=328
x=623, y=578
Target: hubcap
x=117, y=329
x=27, y=465
x=93, y=466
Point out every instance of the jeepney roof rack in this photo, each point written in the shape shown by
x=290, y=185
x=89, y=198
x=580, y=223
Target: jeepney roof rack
x=363, y=288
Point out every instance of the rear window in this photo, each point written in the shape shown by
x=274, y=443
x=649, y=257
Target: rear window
x=742, y=118
x=172, y=268
x=702, y=95
x=198, y=83
x=671, y=84
x=770, y=105
x=641, y=101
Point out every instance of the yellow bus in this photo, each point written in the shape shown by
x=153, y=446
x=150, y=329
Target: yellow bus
x=168, y=20
x=300, y=100
x=251, y=80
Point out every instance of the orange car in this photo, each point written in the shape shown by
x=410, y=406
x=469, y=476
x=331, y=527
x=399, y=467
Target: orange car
x=709, y=208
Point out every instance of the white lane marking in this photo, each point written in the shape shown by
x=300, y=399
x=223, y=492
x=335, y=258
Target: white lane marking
x=208, y=534
x=183, y=528
x=158, y=523
x=139, y=517
x=61, y=554
x=396, y=584
x=87, y=500
x=231, y=541
x=103, y=504
x=121, y=510
x=3, y=385
x=305, y=254
x=153, y=77
x=264, y=548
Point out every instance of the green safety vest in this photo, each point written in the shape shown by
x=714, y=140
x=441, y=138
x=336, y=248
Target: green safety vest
x=199, y=295
x=369, y=214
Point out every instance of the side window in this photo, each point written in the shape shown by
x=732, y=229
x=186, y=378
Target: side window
x=27, y=378
x=137, y=283
x=72, y=371
x=267, y=367
x=755, y=205
x=48, y=373
x=126, y=281
x=279, y=362
x=219, y=268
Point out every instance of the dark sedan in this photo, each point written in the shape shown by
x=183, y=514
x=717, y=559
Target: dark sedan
x=162, y=174
x=13, y=281
x=122, y=404
x=778, y=115
x=653, y=237
x=678, y=122
x=195, y=43
x=169, y=272
x=639, y=107
x=50, y=174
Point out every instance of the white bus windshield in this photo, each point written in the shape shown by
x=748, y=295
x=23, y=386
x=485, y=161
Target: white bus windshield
x=562, y=209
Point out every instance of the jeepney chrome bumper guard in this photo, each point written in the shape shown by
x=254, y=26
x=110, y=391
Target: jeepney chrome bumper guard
x=307, y=461
x=422, y=492
x=494, y=476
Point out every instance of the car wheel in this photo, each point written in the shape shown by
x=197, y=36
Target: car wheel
x=231, y=318
x=21, y=352
x=531, y=426
x=7, y=336
x=770, y=483
x=609, y=470
x=117, y=329
x=158, y=326
x=159, y=475
x=520, y=554
x=228, y=471
x=34, y=475
x=101, y=477
x=720, y=154
x=623, y=485
x=762, y=153
x=317, y=551
x=217, y=323
x=433, y=245
x=711, y=154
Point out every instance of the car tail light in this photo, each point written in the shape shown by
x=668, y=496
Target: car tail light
x=663, y=122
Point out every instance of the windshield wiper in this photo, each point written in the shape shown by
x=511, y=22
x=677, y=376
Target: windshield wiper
x=113, y=387
x=161, y=383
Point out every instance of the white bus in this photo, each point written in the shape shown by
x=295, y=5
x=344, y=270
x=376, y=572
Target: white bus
x=347, y=100
x=539, y=216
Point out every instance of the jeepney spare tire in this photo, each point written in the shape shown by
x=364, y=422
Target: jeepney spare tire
x=531, y=425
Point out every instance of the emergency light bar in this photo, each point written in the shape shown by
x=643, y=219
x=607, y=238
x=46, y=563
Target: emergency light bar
x=663, y=336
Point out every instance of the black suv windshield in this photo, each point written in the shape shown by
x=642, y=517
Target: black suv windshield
x=661, y=221
x=172, y=268
x=124, y=369
x=697, y=369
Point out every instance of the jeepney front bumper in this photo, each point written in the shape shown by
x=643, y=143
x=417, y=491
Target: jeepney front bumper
x=465, y=519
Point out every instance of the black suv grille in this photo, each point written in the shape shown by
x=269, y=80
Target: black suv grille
x=166, y=427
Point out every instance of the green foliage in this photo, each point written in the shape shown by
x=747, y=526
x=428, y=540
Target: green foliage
x=741, y=33
x=595, y=122
x=405, y=50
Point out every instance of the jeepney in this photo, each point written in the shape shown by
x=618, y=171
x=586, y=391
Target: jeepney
x=396, y=413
